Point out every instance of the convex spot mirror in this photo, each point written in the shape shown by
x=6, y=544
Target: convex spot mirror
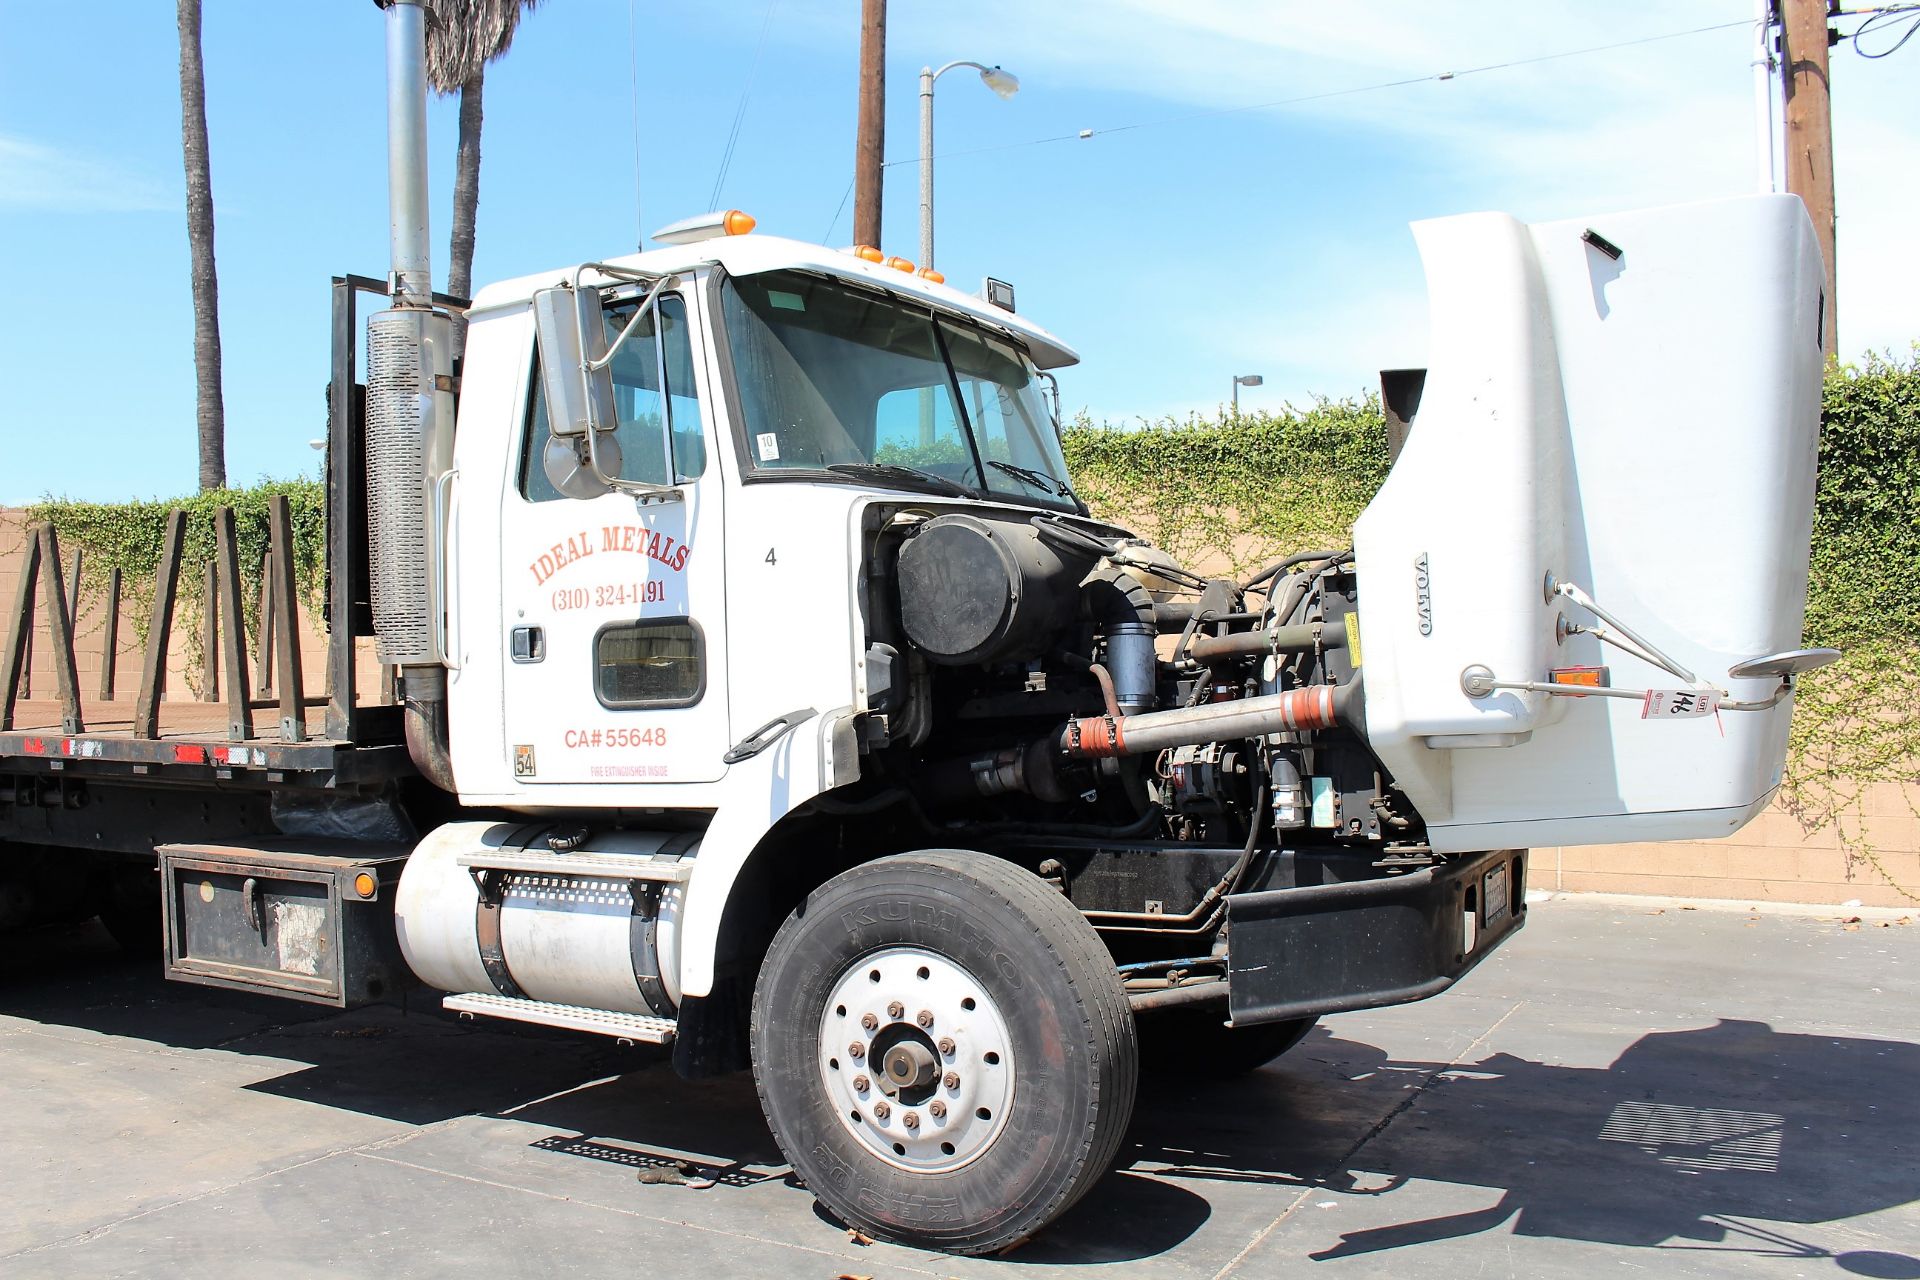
x=570, y=471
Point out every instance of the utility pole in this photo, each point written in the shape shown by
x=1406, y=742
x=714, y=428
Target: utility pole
x=1809, y=135
x=870, y=146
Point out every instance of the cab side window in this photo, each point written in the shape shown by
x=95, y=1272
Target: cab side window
x=649, y=420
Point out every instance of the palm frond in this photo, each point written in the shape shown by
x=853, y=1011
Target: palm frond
x=465, y=35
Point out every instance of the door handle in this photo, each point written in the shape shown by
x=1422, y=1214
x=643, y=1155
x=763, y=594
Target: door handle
x=528, y=644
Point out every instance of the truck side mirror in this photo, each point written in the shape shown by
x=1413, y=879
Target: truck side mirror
x=571, y=329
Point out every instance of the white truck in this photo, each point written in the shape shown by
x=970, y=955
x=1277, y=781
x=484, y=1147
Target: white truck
x=768, y=692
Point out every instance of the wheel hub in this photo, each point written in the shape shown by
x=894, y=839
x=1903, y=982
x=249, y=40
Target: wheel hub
x=909, y=1066
x=917, y=1059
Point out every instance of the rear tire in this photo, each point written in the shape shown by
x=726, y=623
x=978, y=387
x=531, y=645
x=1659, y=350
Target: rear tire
x=1196, y=1041
x=1020, y=1078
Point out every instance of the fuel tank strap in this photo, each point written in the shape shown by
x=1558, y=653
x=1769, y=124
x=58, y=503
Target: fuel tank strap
x=646, y=949
x=645, y=944
x=486, y=930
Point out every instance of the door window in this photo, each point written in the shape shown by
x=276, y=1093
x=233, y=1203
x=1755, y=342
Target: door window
x=646, y=418
x=654, y=662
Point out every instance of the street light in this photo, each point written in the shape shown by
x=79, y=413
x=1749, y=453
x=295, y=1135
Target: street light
x=1243, y=380
x=1004, y=83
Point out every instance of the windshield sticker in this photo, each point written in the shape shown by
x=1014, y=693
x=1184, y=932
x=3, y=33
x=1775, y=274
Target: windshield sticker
x=786, y=301
x=768, y=446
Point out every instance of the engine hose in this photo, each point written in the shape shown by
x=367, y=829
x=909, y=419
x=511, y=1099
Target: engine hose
x=1303, y=638
x=1204, y=909
x=1304, y=557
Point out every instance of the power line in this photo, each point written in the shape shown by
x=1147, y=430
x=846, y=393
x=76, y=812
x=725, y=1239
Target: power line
x=1886, y=17
x=1084, y=134
x=740, y=113
x=837, y=211
x=633, y=70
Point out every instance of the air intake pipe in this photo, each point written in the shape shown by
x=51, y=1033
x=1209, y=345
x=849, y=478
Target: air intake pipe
x=1122, y=610
x=1319, y=706
x=410, y=414
x=1033, y=768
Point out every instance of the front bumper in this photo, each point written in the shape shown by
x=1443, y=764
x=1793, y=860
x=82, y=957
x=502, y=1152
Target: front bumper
x=1302, y=952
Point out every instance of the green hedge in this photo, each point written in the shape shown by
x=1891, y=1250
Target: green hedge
x=128, y=536
x=1239, y=489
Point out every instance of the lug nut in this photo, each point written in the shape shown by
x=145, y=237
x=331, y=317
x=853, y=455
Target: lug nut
x=911, y=1119
x=937, y=1109
x=925, y=1018
x=856, y=1050
x=951, y=1080
x=868, y=1021
x=946, y=1045
x=881, y=1111
x=861, y=1084
x=896, y=1010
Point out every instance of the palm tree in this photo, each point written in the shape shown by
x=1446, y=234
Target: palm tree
x=210, y=411
x=462, y=38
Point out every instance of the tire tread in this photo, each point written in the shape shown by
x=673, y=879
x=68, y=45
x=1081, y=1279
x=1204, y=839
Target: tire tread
x=1089, y=970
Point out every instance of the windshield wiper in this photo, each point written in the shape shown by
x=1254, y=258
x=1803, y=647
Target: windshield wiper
x=1038, y=479
x=898, y=474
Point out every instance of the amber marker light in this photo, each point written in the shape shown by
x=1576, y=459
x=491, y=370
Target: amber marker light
x=365, y=885
x=928, y=273
x=706, y=226
x=868, y=252
x=900, y=264
x=1580, y=677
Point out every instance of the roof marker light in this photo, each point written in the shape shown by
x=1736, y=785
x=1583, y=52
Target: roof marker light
x=707, y=226
x=900, y=264
x=868, y=252
x=928, y=273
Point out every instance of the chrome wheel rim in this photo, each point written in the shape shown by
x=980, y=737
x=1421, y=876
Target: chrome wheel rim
x=917, y=1060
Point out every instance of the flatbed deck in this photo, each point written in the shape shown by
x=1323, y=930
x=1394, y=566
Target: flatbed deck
x=193, y=745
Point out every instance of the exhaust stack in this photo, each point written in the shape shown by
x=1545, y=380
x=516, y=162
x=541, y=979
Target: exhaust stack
x=410, y=416
x=412, y=280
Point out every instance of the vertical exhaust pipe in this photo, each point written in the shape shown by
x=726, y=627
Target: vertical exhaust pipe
x=412, y=281
x=410, y=409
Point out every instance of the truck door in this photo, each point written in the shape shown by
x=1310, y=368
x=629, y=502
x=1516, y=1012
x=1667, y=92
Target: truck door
x=613, y=668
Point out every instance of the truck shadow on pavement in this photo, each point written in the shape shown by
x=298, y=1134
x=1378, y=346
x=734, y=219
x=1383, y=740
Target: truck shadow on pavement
x=1723, y=1138
x=1726, y=1137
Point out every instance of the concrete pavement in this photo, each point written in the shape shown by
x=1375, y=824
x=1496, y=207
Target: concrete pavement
x=1625, y=1086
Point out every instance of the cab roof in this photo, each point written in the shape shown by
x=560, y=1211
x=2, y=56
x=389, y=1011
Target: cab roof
x=746, y=255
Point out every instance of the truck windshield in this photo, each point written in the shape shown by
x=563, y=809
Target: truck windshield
x=852, y=381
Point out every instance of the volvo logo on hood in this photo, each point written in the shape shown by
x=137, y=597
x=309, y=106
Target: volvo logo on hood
x=1423, y=593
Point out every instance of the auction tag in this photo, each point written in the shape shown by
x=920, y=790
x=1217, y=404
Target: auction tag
x=768, y=446
x=1679, y=704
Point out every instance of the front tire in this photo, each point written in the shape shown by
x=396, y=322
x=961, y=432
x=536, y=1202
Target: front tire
x=943, y=1050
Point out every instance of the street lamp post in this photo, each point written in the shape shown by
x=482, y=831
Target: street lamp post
x=1243, y=380
x=1004, y=83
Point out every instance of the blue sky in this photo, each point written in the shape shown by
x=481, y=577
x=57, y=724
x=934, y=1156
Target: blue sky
x=1207, y=242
